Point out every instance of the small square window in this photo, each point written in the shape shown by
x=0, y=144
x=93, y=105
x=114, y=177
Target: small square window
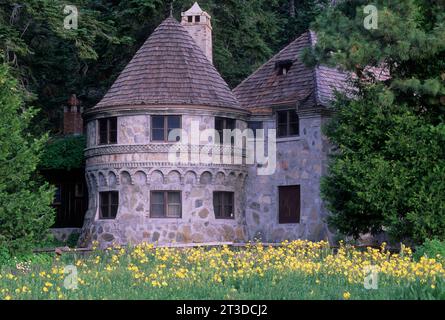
x=223, y=205
x=287, y=123
x=165, y=204
x=190, y=19
x=162, y=126
x=197, y=18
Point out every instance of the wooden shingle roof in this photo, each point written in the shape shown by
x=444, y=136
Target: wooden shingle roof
x=308, y=87
x=169, y=69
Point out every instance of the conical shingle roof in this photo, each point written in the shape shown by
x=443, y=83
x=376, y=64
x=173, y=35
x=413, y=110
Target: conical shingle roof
x=169, y=68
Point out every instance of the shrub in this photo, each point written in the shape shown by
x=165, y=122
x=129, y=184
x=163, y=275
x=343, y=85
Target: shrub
x=431, y=249
x=25, y=204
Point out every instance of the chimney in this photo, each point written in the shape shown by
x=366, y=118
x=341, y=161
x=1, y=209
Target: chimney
x=197, y=23
x=72, y=117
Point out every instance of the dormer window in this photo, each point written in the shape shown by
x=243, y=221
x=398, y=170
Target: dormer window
x=283, y=67
x=190, y=19
x=197, y=18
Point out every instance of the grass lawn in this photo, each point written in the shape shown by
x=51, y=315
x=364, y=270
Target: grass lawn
x=296, y=270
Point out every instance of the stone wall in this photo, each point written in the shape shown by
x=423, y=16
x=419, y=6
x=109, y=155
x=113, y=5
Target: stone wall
x=300, y=161
x=135, y=166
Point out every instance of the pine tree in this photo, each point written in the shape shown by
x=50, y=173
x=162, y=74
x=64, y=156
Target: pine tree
x=388, y=172
x=25, y=212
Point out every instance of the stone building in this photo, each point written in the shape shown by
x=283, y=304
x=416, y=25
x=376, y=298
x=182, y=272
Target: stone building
x=137, y=194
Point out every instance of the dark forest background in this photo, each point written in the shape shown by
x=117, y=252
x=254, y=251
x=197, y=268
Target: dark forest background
x=52, y=62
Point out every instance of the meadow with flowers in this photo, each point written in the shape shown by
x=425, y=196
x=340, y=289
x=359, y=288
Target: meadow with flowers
x=295, y=270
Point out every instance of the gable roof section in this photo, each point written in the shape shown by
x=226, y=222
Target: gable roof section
x=169, y=68
x=306, y=86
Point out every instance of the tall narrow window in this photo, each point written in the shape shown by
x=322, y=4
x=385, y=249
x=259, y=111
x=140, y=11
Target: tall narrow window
x=162, y=126
x=223, y=204
x=287, y=123
x=109, y=204
x=289, y=204
x=165, y=204
x=222, y=124
x=108, y=131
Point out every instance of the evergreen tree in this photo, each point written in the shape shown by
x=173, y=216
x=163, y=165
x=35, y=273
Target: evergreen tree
x=25, y=211
x=388, y=172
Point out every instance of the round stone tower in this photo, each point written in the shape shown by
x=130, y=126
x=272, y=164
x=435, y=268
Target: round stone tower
x=136, y=193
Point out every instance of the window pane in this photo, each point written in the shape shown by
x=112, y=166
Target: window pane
x=112, y=124
x=228, y=204
x=174, y=122
x=217, y=204
x=282, y=117
x=104, y=205
x=158, y=135
x=103, y=127
x=157, y=198
x=157, y=210
x=115, y=198
x=293, y=123
x=217, y=211
x=174, y=198
x=113, y=137
x=113, y=211
x=157, y=122
x=228, y=211
x=157, y=205
x=219, y=124
x=174, y=211
x=293, y=129
x=282, y=130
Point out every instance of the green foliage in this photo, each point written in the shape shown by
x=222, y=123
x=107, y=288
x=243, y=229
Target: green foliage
x=25, y=212
x=388, y=172
x=53, y=62
x=64, y=153
x=432, y=249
